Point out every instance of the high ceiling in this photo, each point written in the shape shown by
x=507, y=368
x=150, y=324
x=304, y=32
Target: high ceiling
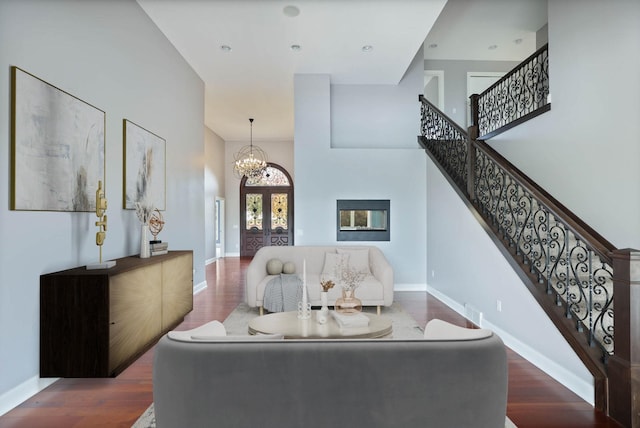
x=255, y=77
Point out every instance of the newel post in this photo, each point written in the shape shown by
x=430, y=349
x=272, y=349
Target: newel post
x=623, y=366
x=473, y=132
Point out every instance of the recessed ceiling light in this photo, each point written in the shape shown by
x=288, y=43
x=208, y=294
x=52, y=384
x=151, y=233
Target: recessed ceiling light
x=492, y=47
x=291, y=11
x=517, y=41
x=225, y=48
x=295, y=48
x=433, y=45
x=367, y=48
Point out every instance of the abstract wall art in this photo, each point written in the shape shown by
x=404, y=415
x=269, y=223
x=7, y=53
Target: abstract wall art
x=57, y=147
x=144, y=167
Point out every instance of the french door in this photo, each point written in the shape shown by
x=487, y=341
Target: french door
x=266, y=211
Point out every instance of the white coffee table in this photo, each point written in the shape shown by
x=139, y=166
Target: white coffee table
x=288, y=324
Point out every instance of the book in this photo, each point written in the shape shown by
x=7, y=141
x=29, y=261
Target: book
x=158, y=252
x=159, y=246
x=350, y=321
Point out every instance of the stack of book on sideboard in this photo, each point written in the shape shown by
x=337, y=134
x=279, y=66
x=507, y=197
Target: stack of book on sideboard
x=158, y=248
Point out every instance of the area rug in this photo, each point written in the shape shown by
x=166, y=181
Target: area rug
x=404, y=327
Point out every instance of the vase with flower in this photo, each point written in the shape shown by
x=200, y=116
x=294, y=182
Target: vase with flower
x=144, y=215
x=326, y=284
x=350, y=279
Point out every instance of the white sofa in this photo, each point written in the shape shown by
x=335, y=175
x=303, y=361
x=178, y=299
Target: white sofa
x=375, y=290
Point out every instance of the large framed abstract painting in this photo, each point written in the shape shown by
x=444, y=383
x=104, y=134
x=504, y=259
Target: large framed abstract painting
x=144, y=167
x=57, y=147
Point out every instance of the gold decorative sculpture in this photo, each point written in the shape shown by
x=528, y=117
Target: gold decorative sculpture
x=156, y=223
x=101, y=207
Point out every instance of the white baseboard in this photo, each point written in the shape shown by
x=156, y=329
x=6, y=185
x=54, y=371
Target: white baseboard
x=209, y=261
x=22, y=392
x=409, y=287
x=199, y=287
x=232, y=254
x=584, y=390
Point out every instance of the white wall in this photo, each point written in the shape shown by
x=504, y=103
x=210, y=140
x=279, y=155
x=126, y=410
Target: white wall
x=378, y=116
x=586, y=150
x=278, y=152
x=325, y=174
x=466, y=267
x=111, y=55
x=214, y=186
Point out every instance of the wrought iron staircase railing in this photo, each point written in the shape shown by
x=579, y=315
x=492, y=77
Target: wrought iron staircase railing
x=567, y=265
x=518, y=96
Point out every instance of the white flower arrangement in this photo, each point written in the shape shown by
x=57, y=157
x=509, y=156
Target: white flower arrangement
x=144, y=212
x=350, y=278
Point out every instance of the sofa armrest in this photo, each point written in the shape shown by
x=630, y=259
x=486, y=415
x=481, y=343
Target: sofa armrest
x=256, y=272
x=383, y=272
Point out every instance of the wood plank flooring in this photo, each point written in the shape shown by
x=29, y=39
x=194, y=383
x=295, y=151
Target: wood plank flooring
x=535, y=400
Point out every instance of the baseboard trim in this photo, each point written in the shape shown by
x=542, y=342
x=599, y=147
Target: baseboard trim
x=27, y=389
x=209, y=261
x=197, y=288
x=581, y=388
x=409, y=287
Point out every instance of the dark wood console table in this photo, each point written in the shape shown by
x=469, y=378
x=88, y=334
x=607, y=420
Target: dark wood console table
x=94, y=323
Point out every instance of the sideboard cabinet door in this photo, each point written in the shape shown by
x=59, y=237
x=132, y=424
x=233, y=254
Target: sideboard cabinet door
x=135, y=305
x=177, y=289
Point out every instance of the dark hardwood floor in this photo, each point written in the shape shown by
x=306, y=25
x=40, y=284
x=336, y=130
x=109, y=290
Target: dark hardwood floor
x=535, y=399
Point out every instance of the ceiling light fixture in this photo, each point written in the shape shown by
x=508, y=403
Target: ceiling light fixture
x=295, y=48
x=250, y=161
x=225, y=48
x=492, y=47
x=367, y=48
x=517, y=41
x=433, y=45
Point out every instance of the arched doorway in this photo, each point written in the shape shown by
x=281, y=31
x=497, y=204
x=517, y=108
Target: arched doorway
x=266, y=210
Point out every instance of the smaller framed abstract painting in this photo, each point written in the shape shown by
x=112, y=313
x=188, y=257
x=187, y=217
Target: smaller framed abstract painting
x=57, y=147
x=144, y=167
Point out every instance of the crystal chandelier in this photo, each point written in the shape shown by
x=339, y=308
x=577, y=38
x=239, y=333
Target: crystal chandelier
x=250, y=161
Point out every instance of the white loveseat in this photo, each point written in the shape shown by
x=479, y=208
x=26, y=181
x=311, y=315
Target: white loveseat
x=375, y=290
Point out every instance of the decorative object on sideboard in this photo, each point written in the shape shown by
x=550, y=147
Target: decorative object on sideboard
x=250, y=161
x=156, y=224
x=144, y=215
x=144, y=167
x=57, y=147
x=101, y=207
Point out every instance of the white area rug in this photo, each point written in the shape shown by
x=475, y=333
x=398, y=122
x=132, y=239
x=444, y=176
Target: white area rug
x=404, y=327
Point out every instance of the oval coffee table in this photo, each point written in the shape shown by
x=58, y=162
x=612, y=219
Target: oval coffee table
x=288, y=324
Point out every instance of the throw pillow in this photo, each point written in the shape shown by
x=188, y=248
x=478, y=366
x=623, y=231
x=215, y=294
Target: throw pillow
x=274, y=267
x=289, y=268
x=358, y=259
x=212, y=329
x=441, y=330
x=333, y=264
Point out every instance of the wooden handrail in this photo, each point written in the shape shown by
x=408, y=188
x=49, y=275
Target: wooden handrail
x=423, y=100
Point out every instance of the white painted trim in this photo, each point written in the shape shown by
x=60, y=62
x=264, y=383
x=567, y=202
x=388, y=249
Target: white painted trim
x=409, y=287
x=583, y=389
x=428, y=75
x=209, y=261
x=197, y=288
x=232, y=254
x=24, y=391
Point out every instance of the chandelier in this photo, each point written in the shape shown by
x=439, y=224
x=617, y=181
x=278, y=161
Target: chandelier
x=250, y=161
